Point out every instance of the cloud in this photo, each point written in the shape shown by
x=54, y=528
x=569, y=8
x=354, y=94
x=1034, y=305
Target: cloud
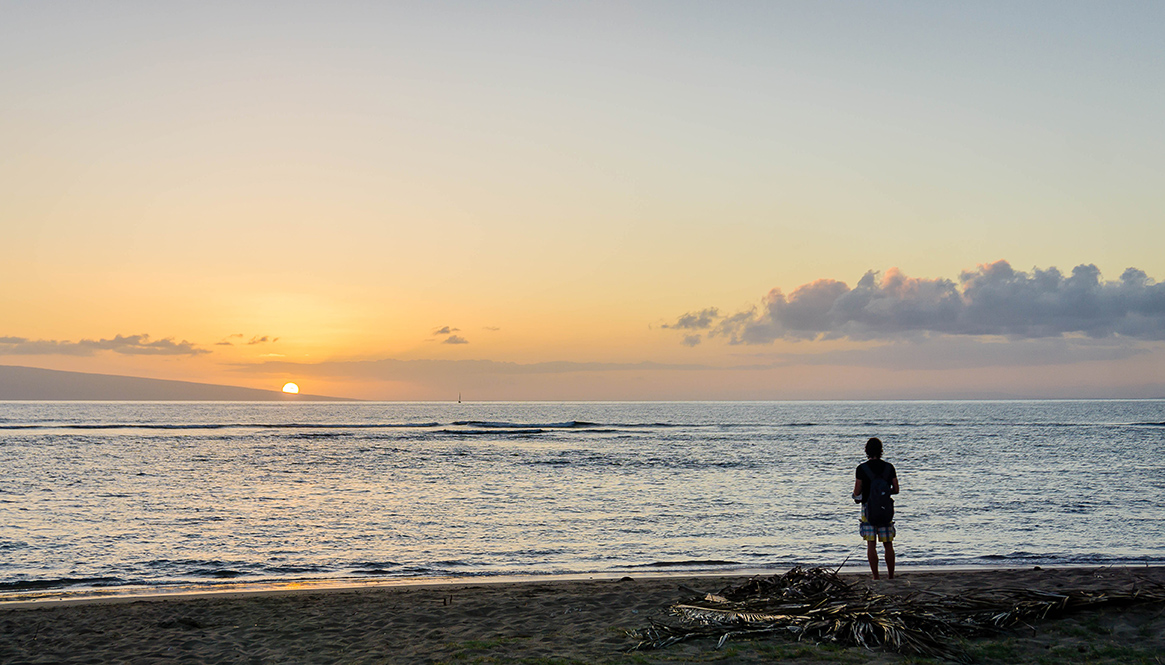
x=701, y=320
x=943, y=353
x=993, y=299
x=391, y=369
x=947, y=366
x=136, y=345
x=951, y=352
x=226, y=341
x=452, y=338
x=257, y=339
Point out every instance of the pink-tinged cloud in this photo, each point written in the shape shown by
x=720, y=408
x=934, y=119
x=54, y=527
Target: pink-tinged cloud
x=993, y=299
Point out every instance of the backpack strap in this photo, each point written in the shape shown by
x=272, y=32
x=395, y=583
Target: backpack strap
x=868, y=489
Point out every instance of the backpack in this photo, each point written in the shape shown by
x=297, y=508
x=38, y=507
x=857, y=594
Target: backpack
x=880, y=506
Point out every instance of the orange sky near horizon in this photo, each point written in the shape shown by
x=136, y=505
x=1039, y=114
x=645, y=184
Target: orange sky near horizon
x=519, y=201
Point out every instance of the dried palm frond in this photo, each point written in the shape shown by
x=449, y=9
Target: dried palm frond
x=816, y=604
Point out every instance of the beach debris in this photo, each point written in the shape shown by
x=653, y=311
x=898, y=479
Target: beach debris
x=817, y=605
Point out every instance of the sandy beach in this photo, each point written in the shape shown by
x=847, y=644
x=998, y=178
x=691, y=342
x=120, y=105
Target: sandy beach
x=549, y=621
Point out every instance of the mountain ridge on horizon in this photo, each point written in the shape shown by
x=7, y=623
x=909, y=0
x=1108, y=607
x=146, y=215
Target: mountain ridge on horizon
x=18, y=382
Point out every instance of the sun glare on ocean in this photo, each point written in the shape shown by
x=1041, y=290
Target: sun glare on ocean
x=290, y=388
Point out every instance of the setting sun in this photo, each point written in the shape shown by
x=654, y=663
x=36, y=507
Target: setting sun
x=290, y=388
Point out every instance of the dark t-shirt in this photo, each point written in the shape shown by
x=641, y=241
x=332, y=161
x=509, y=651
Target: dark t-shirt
x=877, y=467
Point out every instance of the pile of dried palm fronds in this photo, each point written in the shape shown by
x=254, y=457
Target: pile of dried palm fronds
x=816, y=604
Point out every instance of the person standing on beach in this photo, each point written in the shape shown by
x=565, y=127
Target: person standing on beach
x=869, y=473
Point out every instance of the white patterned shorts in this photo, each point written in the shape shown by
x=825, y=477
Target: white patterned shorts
x=869, y=532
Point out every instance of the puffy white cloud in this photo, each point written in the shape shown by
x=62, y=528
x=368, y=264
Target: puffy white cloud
x=993, y=299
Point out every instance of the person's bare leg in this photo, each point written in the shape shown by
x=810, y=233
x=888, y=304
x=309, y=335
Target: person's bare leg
x=889, y=560
x=872, y=555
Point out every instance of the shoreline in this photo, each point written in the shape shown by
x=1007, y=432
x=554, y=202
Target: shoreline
x=194, y=590
x=545, y=620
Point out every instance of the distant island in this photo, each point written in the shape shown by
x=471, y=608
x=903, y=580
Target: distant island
x=30, y=383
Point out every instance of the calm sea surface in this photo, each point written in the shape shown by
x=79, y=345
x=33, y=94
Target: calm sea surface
x=163, y=494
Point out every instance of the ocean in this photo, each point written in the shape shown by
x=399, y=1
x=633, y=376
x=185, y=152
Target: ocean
x=147, y=495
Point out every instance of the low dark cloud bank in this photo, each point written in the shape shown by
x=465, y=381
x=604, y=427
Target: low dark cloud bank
x=134, y=345
x=993, y=299
x=395, y=370
x=965, y=352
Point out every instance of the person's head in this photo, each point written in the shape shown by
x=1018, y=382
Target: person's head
x=874, y=448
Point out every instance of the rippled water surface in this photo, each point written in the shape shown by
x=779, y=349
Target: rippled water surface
x=168, y=493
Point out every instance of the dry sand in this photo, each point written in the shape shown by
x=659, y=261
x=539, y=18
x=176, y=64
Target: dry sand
x=529, y=622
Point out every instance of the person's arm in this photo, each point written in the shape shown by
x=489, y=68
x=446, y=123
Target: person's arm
x=858, y=490
x=894, y=484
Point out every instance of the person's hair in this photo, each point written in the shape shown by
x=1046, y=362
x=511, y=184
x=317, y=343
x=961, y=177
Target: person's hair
x=874, y=448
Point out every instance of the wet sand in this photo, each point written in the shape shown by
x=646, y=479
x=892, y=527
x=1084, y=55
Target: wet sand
x=553, y=621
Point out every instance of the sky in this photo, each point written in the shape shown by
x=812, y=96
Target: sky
x=588, y=201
